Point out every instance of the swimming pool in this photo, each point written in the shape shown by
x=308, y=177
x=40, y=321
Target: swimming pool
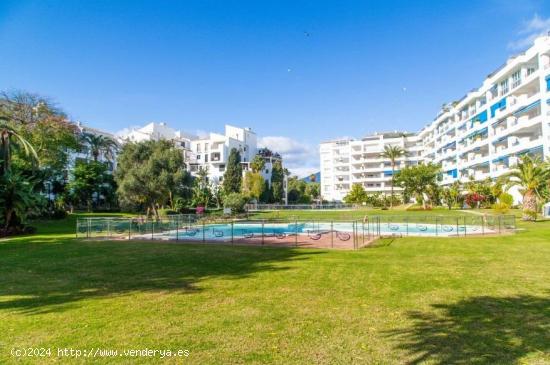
x=343, y=231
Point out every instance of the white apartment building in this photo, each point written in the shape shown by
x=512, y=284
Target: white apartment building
x=480, y=136
x=155, y=132
x=347, y=162
x=483, y=134
x=210, y=152
x=84, y=154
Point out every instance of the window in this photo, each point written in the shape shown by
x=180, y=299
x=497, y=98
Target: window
x=198, y=148
x=516, y=79
x=198, y=157
x=530, y=70
x=206, y=158
x=503, y=87
x=206, y=147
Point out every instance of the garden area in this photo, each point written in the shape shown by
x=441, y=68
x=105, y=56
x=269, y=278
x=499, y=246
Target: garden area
x=481, y=300
x=438, y=300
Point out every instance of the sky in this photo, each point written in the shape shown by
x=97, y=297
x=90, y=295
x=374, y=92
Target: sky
x=296, y=72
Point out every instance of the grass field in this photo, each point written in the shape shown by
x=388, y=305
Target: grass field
x=478, y=300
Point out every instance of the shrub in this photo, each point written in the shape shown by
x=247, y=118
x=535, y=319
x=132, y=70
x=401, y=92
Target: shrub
x=506, y=198
x=235, y=201
x=501, y=208
x=532, y=214
x=474, y=199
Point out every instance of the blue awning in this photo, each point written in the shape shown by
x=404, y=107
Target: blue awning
x=525, y=109
x=498, y=122
x=502, y=158
x=482, y=164
x=481, y=117
x=479, y=132
x=448, y=145
x=500, y=139
x=530, y=150
x=453, y=173
x=496, y=106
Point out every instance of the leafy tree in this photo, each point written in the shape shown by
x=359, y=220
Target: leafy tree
x=531, y=175
x=257, y=164
x=267, y=194
x=313, y=190
x=253, y=185
x=451, y=194
x=417, y=180
x=202, y=195
x=235, y=202
x=217, y=194
x=91, y=184
x=392, y=153
x=151, y=174
x=48, y=130
x=297, y=191
x=99, y=144
x=356, y=195
x=233, y=173
x=277, y=182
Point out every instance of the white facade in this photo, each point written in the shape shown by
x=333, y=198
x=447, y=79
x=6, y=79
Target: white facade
x=211, y=152
x=155, y=132
x=84, y=153
x=348, y=162
x=480, y=136
x=483, y=134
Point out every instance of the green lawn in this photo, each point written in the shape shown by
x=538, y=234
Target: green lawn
x=483, y=300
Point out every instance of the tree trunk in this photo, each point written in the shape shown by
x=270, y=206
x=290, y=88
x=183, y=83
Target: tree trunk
x=9, y=213
x=529, y=206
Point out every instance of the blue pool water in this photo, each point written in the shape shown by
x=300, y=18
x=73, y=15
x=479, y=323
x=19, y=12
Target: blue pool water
x=224, y=232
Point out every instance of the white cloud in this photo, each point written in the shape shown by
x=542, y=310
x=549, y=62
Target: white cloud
x=531, y=29
x=299, y=157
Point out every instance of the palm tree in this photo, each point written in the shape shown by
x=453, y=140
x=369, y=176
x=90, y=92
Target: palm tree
x=9, y=138
x=98, y=144
x=531, y=175
x=392, y=153
x=16, y=197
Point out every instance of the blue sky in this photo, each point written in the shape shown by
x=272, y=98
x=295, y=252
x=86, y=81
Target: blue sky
x=297, y=72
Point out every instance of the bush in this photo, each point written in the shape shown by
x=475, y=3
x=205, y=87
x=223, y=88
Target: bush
x=506, y=198
x=235, y=201
x=474, y=200
x=501, y=208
